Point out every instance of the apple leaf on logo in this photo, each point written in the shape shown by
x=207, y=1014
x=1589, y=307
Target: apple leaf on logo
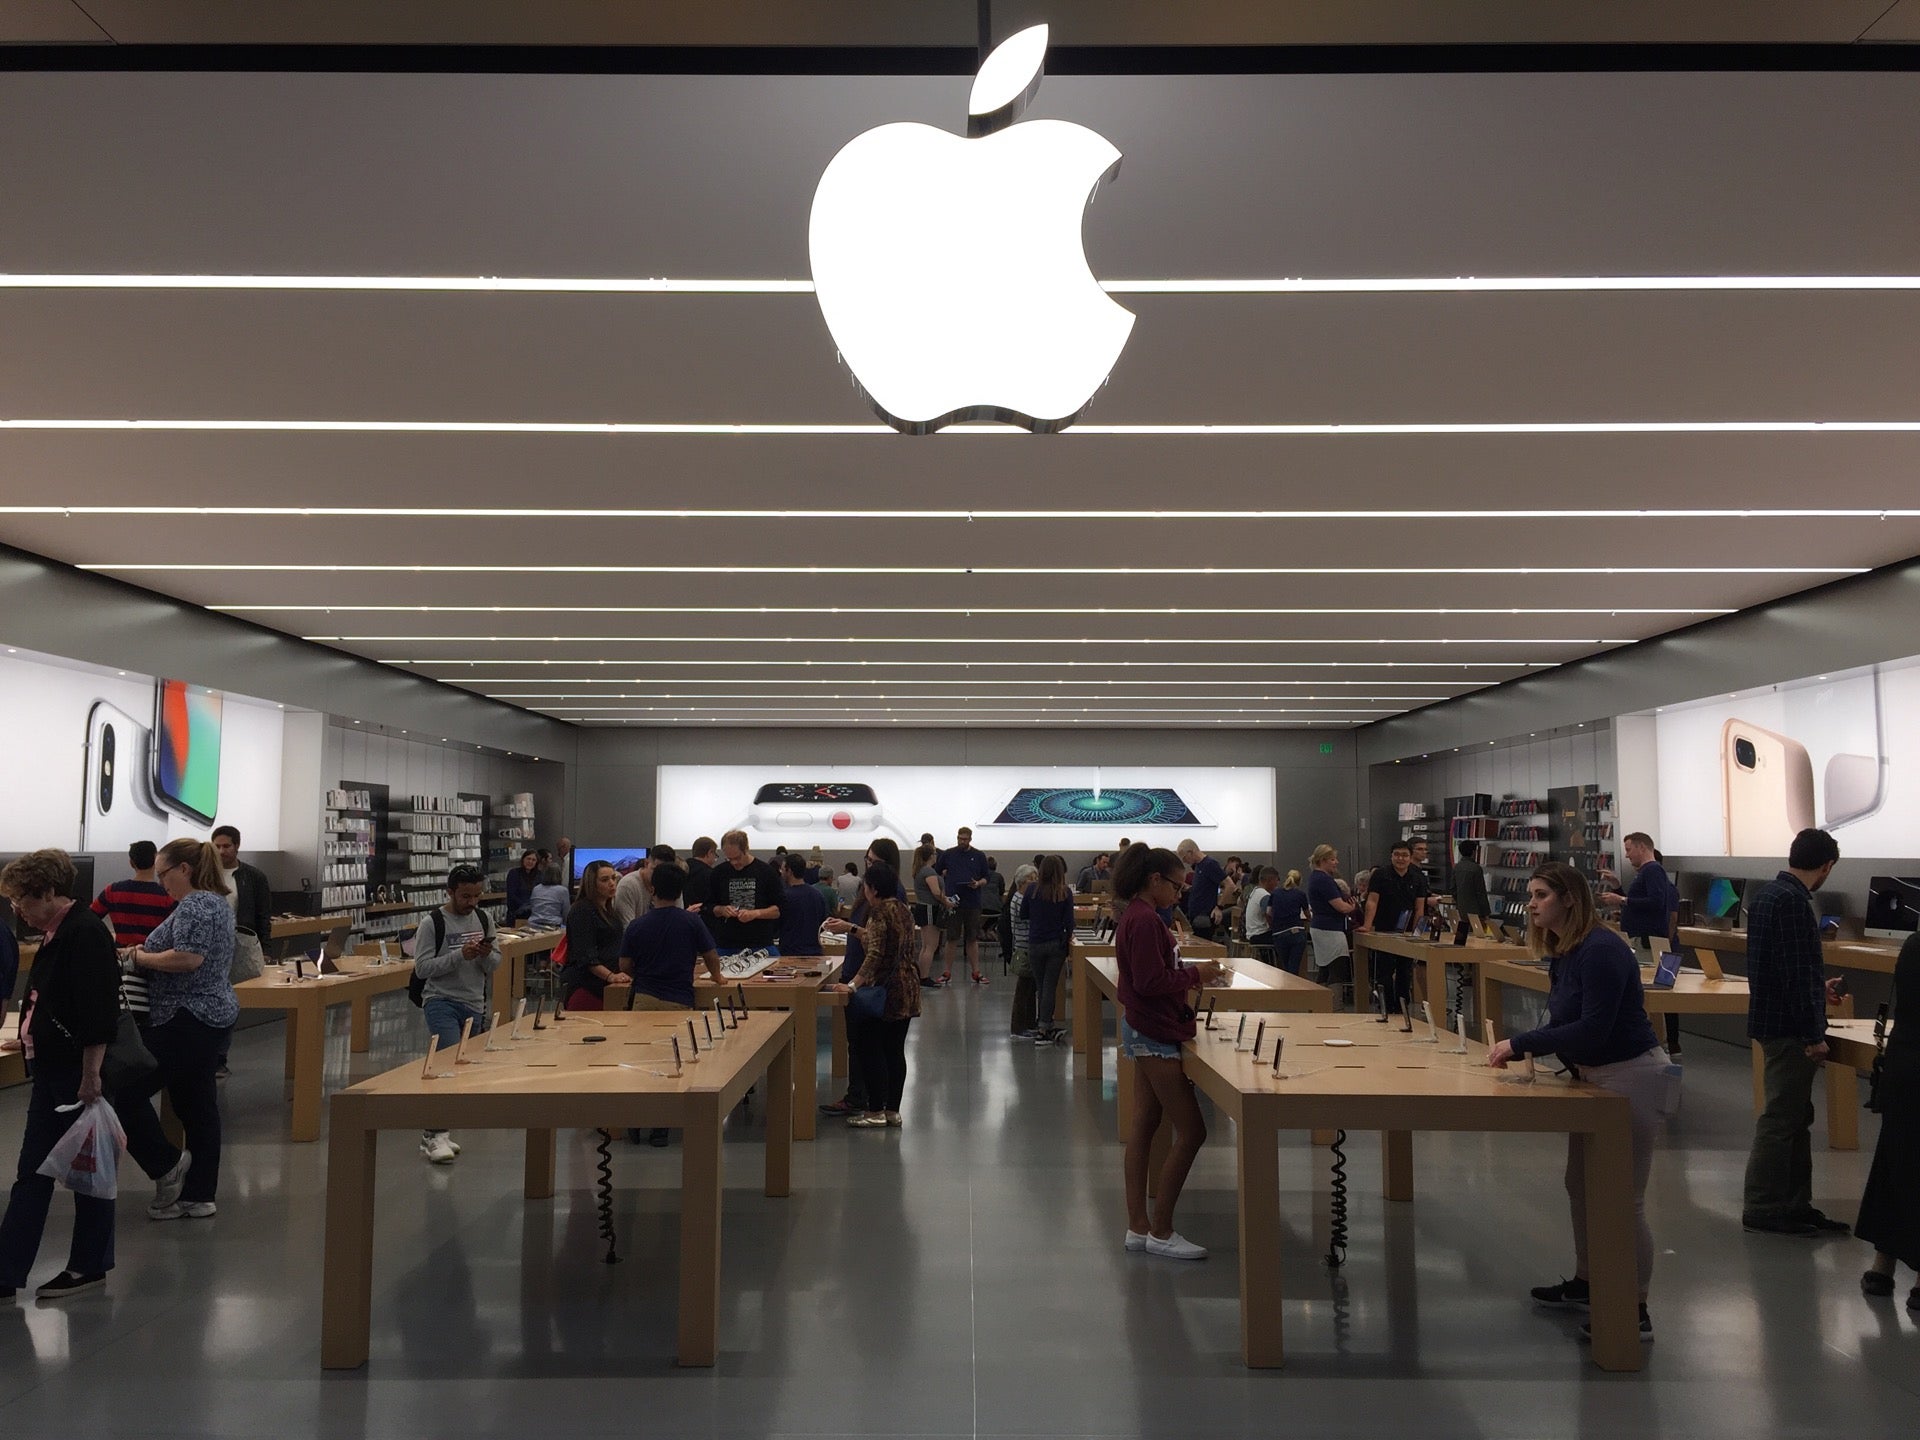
x=1007, y=80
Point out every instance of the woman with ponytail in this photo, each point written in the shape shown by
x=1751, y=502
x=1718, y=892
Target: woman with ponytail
x=191, y=1012
x=1156, y=1019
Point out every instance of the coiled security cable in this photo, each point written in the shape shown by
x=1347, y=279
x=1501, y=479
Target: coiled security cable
x=605, y=1199
x=1337, y=1210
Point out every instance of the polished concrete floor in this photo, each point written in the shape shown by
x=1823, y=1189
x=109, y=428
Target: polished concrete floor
x=960, y=1277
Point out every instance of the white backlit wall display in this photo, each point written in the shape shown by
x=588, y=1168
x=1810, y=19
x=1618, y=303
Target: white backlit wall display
x=97, y=759
x=1028, y=807
x=1740, y=774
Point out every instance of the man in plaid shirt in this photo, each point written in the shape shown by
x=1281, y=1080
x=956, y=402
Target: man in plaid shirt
x=1787, y=1017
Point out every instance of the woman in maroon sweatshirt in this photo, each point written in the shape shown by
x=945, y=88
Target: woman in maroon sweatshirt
x=1156, y=1018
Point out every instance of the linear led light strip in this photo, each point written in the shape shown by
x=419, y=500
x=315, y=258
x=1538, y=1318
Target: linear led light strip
x=150, y=566
x=971, y=682
x=661, y=285
x=880, y=698
x=1237, y=641
x=495, y=512
x=950, y=663
x=616, y=427
x=957, y=709
x=968, y=610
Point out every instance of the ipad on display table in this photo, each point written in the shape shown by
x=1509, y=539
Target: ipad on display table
x=1136, y=807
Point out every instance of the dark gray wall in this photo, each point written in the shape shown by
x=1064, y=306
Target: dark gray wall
x=55, y=609
x=1859, y=621
x=613, y=784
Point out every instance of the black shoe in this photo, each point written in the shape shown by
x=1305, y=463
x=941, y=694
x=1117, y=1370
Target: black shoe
x=1762, y=1225
x=658, y=1139
x=1825, y=1223
x=836, y=1107
x=7, y=1292
x=1646, y=1328
x=1567, y=1295
x=1913, y=1299
x=1876, y=1286
x=67, y=1283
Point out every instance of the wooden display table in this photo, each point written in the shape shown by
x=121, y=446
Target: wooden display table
x=1475, y=953
x=1256, y=986
x=1851, y=1042
x=13, y=1063
x=545, y=1082
x=516, y=948
x=804, y=994
x=1386, y=1081
x=306, y=1003
x=1694, y=994
x=288, y=928
x=1875, y=955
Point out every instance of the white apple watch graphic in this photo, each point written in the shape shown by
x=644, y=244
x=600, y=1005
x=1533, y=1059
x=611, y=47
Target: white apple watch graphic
x=950, y=270
x=815, y=810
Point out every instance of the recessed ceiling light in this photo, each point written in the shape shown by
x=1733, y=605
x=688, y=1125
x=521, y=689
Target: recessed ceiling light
x=490, y=568
x=1187, y=642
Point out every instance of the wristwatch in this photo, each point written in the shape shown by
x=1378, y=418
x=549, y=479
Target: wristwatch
x=815, y=810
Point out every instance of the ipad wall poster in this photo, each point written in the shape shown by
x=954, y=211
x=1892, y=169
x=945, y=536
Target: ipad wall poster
x=838, y=807
x=1740, y=775
x=100, y=758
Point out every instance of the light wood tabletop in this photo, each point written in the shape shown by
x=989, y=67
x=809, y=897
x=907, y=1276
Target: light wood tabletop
x=305, y=1002
x=1851, y=1042
x=1852, y=954
x=1693, y=993
x=800, y=984
x=1383, y=1080
x=613, y=1072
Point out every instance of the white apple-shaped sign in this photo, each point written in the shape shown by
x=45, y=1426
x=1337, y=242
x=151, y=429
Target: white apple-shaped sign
x=950, y=270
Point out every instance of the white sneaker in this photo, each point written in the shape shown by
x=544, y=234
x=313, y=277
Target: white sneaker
x=183, y=1210
x=1176, y=1247
x=438, y=1149
x=454, y=1143
x=1136, y=1241
x=166, y=1190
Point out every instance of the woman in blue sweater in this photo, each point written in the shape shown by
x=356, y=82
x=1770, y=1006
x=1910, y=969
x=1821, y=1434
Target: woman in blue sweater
x=1597, y=1024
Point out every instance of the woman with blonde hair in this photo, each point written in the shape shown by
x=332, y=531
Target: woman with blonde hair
x=190, y=1013
x=1287, y=911
x=1597, y=1025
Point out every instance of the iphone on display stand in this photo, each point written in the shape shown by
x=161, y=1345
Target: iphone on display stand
x=1767, y=789
x=118, y=806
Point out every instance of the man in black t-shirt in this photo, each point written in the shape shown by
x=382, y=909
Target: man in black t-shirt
x=1398, y=890
x=743, y=904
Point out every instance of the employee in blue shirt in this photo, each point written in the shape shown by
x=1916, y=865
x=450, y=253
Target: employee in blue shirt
x=803, y=910
x=963, y=875
x=1650, y=908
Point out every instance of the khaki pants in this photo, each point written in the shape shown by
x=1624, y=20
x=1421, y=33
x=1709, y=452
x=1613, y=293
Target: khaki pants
x=1653, y=1094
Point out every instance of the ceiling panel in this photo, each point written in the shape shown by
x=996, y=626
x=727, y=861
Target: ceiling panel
x=1121, y=578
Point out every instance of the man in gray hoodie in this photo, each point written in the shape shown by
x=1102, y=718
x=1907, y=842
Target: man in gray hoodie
x=454, y=953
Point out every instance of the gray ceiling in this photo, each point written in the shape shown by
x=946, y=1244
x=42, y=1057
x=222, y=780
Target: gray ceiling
x=702, y=177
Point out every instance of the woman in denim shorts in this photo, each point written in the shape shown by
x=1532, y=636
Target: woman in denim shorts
x=1156, y=1018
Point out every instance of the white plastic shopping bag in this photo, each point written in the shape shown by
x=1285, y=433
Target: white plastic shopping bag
x=86, y=1160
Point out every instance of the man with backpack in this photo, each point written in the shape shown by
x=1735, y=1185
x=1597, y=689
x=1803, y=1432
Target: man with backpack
x=454, y=954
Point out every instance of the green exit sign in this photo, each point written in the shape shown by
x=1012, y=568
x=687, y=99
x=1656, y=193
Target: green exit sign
x=1326, y=747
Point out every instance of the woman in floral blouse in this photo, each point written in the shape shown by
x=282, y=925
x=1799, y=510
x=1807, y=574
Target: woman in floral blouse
x=880, y=1047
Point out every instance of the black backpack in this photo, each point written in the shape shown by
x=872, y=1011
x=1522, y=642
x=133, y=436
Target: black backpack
x=417, y=986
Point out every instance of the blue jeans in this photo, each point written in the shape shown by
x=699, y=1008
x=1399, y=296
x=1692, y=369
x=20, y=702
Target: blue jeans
x=444, y=1019
x=1290, y=949
x=91, y=1252
x=1136, y=1046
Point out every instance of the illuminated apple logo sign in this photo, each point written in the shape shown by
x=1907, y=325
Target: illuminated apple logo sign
x=950, y=271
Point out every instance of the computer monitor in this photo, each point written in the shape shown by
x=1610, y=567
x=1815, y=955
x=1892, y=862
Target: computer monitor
x=624, y=859
x=1893, y=906
x=1723, y=898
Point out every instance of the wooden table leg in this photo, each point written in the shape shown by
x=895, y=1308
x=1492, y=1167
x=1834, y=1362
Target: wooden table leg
x=1843, y=1107
x=309, y=1020
x=1612, y=1269
x=840, y=1066
x=361, y=1034
x=346, y=1299
x=1089, y=1019
x=1362, y=975
x=1396, y=1164
x=780, y=1102
x=1260, y=1293
x=700, y=1232
x=806, y=1064
x=288, y=1039
x=542, y=1155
